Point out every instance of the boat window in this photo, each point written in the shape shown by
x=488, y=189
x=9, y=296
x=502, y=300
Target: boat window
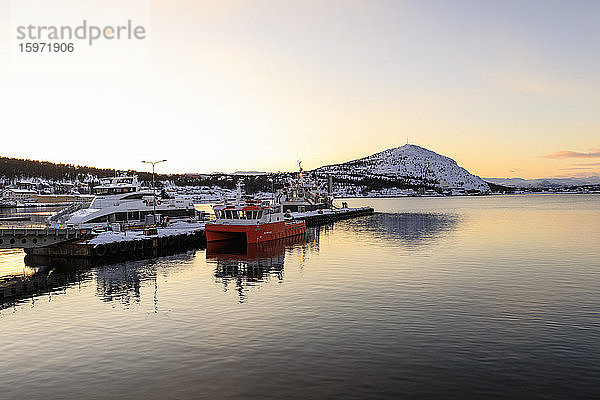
x=135, y=196
x=120, y=216
x=102, y=219
x=227, y=214
x=260, y=213
x=101, y=190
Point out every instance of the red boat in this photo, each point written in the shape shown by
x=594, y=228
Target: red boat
x=251, y=221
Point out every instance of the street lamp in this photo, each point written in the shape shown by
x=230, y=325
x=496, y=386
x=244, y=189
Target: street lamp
x=153, y=187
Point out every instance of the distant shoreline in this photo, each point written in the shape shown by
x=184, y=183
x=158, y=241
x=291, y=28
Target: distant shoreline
x=477, y=195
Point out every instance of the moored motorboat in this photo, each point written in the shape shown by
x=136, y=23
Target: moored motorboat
x=122, y=200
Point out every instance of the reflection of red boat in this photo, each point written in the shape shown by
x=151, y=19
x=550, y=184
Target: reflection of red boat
x=251, y=221
x=232, y=250
x=241, y=266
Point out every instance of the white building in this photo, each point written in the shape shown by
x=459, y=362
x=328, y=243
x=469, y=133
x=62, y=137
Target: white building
x=18, y=194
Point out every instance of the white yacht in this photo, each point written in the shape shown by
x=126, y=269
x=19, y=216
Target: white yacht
x=122, y=200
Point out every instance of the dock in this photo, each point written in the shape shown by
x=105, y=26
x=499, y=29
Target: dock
x=110, y=245
x=11, y=238
x=180, y=235
x=326, y=216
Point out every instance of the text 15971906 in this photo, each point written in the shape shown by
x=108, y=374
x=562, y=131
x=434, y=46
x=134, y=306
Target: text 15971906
x=46, y=47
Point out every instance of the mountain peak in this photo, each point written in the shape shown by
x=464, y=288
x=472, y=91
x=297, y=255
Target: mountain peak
x=412, y=165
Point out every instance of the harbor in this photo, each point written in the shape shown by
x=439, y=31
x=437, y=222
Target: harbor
x=80, y=249
x=409, y=275
x=125, y=220
x=76, y=243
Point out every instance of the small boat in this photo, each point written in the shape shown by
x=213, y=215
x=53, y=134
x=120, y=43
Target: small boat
x=251, y=221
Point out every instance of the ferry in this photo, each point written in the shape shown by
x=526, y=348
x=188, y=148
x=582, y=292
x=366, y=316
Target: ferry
x=251, y=221
x=122, y=200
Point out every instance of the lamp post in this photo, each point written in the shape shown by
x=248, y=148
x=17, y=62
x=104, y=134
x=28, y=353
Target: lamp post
x=153, y=188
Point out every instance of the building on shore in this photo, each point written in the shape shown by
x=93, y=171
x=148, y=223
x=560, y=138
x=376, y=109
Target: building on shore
x=19, y=195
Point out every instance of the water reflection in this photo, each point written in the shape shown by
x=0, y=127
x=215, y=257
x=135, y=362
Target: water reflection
x=410, y=229
x=119, y=282
x=237, y=268
x=243, y=266
x=37, y=281
x=122, y=282
x=314, y=233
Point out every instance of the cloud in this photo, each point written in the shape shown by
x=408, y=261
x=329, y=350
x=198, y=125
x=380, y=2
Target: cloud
x=595, y=153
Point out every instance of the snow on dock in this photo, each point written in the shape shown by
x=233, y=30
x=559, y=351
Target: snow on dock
x=325, y=216
x=114, y=244
x=175, y=229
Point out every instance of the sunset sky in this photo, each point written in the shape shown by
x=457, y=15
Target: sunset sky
x=506, y=88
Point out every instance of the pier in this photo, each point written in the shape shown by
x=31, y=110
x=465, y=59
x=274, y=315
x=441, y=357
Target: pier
x=82, y=243
x=111, y=244
x=320, y=217
x=11, y=238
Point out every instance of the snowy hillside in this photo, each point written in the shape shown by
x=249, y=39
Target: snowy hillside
x=410, y=165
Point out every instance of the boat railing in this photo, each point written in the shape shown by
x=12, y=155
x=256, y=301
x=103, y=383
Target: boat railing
x=65, y=211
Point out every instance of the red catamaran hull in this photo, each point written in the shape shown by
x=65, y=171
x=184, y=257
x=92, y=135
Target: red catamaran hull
x=254, y=233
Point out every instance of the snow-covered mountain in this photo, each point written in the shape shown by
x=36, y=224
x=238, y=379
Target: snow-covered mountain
x=411, y=165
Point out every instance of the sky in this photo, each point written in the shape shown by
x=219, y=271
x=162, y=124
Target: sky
x=507, y=89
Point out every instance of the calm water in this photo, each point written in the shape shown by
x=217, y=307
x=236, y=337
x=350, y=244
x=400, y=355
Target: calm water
x=489, y=297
